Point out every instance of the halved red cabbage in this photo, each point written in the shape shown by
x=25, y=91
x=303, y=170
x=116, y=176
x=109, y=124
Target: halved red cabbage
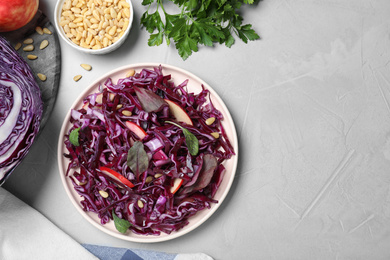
x=104, y=140
x=21, y=109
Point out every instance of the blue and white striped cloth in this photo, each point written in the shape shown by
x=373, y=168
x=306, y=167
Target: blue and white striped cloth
x=111, y=253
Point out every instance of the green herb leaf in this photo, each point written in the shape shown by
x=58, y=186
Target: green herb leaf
x=203, y=22
x=74, y=137
x=137, y=159
x=122, y=225
x=191, y=141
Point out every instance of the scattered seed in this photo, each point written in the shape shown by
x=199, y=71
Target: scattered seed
x=83, y=183
x=210, y=120
x=32, y=57
x=126, y=113
x=130, y=73
x=148, y=179
x=103, y=193
x=39, y=30
x=44, y=44
x=86, y=66
x=41, y=76
x=28, y=41
x=140, y=204
x=157, y=175
x=215, y=135
x=46, y=31
x=18, y=45
x=119, y=106
x=77, y=78
x=29, y=47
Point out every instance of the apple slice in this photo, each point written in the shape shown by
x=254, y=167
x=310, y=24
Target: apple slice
x=177, y=182
x=136, y=129
x=116, y=176
x=178, y=112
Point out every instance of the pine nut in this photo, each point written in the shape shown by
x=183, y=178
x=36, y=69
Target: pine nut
x=32, y=57
x=105, y=42
x=86, y=66
x=41, y=76
x=126, y=12
x=124, y=4
x=130, y=73
x=46, y=31
x=67, y=5
x=29, y=47
x=210, y=120
x=39, y=30
x=149, y=179
x=73, y=32
x=126, y=113
x=64, y=22
x=112, y=30
x=72, y=25
x=83, y=183
x=18, y=46
x=75, y=10
x=125, y=24
x=157, y=175
x=43, y=44
x=103, y=193
x=113, y=13
x=215, y=135
x=140, y=204
x=76, y=41
x=78, y=20
x=77, y=78
x=28, y=41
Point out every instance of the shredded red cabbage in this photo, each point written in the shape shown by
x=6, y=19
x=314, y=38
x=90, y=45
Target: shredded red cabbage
x=104, y=140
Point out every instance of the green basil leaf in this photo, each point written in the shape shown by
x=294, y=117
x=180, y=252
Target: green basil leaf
x=191, y=141
x=74, y=137
x=122, y=225
x=137, y=159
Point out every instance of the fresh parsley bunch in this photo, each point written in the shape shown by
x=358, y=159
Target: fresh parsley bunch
x=200, y=22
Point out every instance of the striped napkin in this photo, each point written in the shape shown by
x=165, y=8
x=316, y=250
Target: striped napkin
x=106, y=253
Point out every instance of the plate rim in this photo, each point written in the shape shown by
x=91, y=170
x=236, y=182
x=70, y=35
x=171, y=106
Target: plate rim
x=145, y=238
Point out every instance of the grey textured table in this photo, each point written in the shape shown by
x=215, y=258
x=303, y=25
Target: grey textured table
x=310, y=101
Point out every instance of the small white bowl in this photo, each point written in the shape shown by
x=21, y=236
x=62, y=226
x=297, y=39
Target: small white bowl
x=104, y=50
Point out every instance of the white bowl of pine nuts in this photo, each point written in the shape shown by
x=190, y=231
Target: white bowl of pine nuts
x=94, y=26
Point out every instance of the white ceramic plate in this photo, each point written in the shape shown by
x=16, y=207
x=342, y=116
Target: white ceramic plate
x=194, y=85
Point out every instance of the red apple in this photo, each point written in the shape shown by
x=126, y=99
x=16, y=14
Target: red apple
x=15, y=14
x=116, y=176
x=176, y=185
x=136, y=129
x=178, y=112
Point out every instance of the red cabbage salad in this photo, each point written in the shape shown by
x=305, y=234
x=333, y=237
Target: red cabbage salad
x=145, y=153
